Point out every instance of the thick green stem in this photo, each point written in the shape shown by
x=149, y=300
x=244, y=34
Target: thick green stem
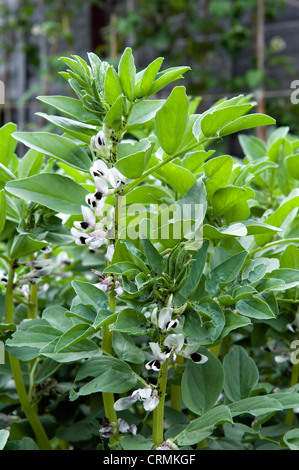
x=158, y=415
x=108, y=398
x=175, y=390
x=41, y=436
x=32, y=306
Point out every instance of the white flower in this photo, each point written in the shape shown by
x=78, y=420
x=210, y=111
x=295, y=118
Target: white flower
x=99, y=168
x=110, y=252
x=168, y=445
x=115, y=178
x=159, y=356
x=190, y=353
x=102, y=190
x=152, y=402
x=118, y=288
x=165, y=321
x=174, y=343
x=124, y=427
x=89, y=220
x=80, y=237
x=147, y=395
x=99, y=144
x=94, y=242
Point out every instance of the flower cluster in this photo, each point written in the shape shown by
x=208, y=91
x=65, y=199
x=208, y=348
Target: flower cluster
x=109, y=429
x=108, y=283
x=167, y=445
x=173, y=344
x=147, y=395
x=97, y=227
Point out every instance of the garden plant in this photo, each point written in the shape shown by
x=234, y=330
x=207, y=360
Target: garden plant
x=149, y=284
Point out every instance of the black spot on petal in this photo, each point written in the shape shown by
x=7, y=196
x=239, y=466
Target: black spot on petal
x=196, y=357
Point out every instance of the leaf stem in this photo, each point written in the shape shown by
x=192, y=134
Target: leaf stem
x=108, y=398
x=277, y=242
x=158, y=414
x=159, y=165
x=175, y=389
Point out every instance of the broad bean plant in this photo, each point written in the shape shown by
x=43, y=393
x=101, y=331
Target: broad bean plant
x=149, y=284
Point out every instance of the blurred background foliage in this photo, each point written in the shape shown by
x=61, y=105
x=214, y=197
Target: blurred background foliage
x=233, y=46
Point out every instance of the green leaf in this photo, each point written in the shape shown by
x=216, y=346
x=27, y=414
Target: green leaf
x=35, y=335
x=149, y=193
x=90, y=295
x=154, y=259
x=290, y=257
x=74, y=335
x=56, y=146
x=4, y=435
x=30, y=164
x=178, y=177
x=109, y=375
x=5, y=174
x=83, y=350
x=143, y=112
x=127, y=73
x=217, y=172
x=292, y=164
x=204, y=425
x=216, y=120
x=254, y=307
x=278, y=216
x=51, y=190
x=125, y=268
x=247, y=122
x=289, y=278
x=126, y=349
x=218, y=233
x=7, y=143
x=136, y=443
x=24, y=245
x=197, y=265
x=133, y=158
x=112, y=86
x=240, y=374
x=202, y=383
x=226, y=200
x=79, y=130
x=252, y=146
x=2, y=210
x=256, y=406
x=144, y=85
x=291, y=439
x=225, y=272
x=71, y=107
x=130, y=321
x=165, y=77
x=233, y=321
x=171, y=120
x=114, y=117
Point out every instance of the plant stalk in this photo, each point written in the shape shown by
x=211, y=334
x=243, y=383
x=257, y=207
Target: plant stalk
x=38, y=429
x=175, y=389
x=108, y=398
x=158, y=414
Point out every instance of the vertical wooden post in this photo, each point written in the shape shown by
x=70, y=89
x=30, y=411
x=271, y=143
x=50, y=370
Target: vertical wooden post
x=261, y=132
